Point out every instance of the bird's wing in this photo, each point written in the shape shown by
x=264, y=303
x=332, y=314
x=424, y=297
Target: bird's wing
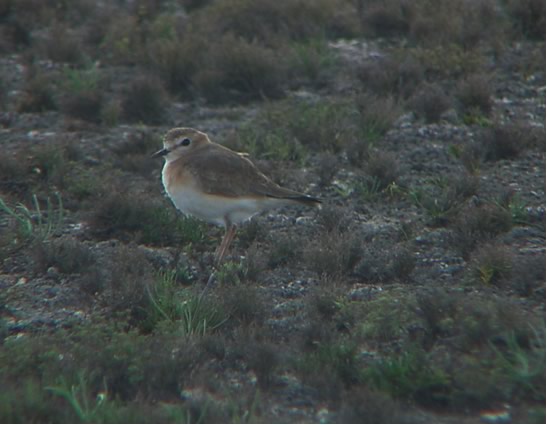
x=220, y=171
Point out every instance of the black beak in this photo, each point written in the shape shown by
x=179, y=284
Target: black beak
x=161, y=152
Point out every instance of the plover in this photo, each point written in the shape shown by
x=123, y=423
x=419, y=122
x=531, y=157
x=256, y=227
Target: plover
x=217, y=185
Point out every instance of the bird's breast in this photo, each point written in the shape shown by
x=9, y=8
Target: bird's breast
x=188, y=197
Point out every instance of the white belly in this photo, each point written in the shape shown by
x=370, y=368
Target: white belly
x=214, y=209
x=219, y=210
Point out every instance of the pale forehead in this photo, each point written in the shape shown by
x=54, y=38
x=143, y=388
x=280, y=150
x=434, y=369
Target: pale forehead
x=177, y=133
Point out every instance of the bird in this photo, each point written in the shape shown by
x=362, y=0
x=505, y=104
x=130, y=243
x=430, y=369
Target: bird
x=218, y=185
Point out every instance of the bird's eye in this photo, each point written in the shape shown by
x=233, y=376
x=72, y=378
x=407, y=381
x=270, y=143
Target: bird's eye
x=185, y=142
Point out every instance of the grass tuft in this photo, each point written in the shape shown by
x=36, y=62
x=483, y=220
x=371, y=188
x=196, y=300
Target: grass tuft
x=443, y=197
x=179, y=310
x=409, y=375
x=491, y=265
x=37, y=224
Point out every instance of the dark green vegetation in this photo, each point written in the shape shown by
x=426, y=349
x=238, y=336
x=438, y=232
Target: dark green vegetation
x=417, y=294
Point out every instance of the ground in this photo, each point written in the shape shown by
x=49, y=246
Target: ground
x=416, y=293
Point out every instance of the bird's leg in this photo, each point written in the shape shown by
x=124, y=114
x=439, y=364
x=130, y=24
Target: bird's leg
x=221, y=252
x=221, y=248
x=225, y=244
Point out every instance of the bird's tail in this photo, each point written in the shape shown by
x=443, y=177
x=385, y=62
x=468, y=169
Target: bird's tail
x=309, y=201
x=285, y=194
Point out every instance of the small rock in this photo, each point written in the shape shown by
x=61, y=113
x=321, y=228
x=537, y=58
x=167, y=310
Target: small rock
x=89, y=160
x=304, y=220
x=404, y=120
x=52, y=272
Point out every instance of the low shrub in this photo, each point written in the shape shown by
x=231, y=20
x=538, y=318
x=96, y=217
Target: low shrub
x=38, y=94
x=66, y=255
x=475, y=95
x=479, y=224
x=63, y=46
x=490, y=265
x=145, y=101
x=507, y=141
x=235, y=68
x=83, y=94
x=443, y=197
x=430, y=102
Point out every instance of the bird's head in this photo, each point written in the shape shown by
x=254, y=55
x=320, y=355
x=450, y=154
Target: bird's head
x=179, y=141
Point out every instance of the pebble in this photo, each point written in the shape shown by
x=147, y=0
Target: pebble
x=89, y=160
x=304, y=220
x=52, y=272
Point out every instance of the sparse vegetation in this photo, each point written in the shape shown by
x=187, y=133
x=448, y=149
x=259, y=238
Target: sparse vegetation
x=396, y=76
x=415, y=293
x=334, y=253
x=444, y=196
x=299, y=126
x=383, y=170
x=410, y=375
x=178, y=310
